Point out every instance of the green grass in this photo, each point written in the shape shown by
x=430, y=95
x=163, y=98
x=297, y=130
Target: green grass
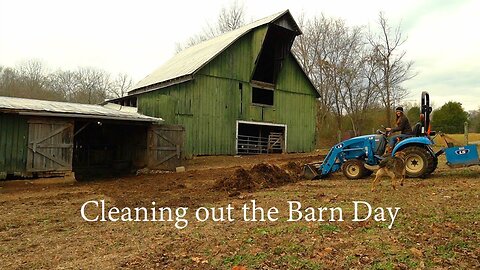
x=382, y=266
x=246, y=259
x=299, y=262
x=329, y=228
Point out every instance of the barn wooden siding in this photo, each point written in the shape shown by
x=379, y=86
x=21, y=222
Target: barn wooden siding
x=13, y=144
x=220, y=94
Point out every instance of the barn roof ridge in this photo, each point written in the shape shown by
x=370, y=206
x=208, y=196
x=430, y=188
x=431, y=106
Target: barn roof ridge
x=184, y=64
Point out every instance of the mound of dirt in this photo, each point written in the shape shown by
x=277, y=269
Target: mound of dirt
x=263, y=175
x=294, y=167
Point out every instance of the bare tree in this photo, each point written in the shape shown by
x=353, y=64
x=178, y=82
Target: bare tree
x=32, y=76
x=357, y=94
x=390, y=67
x=332, y=55
x=229, y=18
x=120, y=86
x=309, y=50
x=65, y=82
x=31, y=79
x=33, y=72
x=9, y=82
x=93, y=84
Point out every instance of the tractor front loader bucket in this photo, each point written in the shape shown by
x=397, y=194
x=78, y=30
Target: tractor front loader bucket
x=310, y=170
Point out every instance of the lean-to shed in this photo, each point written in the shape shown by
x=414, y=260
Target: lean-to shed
x=46, y=138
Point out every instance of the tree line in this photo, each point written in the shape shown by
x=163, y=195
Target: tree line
x=32, y=79
x=450, y=118
x=354, y=68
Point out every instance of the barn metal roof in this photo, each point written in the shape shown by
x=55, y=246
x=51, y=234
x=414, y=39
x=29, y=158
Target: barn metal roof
x=37, y=107
x=182, y=66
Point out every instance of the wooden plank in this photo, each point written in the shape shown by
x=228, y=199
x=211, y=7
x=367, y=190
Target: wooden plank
x=50, y=134
x=53, y=145
x=51, y=157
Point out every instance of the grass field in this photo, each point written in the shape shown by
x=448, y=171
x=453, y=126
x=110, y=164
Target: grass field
x=437, y=227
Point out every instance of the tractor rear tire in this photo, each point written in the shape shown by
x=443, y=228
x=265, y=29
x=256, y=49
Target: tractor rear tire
x=419, y=162
x=354, y=169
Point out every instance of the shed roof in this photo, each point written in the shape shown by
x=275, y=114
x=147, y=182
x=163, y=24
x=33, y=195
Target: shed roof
x=184, y=64
x=37, y=107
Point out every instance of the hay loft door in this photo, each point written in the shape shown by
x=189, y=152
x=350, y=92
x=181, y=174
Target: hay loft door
x=165, y=146
x=50, y=146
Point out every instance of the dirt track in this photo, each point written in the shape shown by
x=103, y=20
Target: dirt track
x=438, y=226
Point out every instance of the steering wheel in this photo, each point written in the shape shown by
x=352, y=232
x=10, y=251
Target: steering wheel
x=383, y=132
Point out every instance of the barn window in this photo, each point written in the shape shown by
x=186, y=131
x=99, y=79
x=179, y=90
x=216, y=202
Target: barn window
x=262, y=96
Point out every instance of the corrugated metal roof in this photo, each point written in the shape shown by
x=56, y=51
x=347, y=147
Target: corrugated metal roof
x=190, y=60
x=65, y=109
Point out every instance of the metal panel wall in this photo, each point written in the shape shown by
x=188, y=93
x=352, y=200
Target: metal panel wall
x=13, y=144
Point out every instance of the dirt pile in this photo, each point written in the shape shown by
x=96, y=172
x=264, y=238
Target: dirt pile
x=295, y=167
x=263, y=175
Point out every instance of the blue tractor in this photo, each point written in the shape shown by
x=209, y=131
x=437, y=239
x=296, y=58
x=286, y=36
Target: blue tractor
x=351, y=155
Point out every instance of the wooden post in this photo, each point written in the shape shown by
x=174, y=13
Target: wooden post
x=465, y=125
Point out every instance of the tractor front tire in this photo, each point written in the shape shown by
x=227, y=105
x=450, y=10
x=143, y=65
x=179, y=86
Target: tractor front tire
x=418, y=162
x=354, y=169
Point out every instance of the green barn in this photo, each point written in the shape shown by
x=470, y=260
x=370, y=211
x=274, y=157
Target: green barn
x=240, y=93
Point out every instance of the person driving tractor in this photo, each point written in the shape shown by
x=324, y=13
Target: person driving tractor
x=403, y=125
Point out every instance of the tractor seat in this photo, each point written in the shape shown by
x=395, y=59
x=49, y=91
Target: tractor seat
x=417, y=130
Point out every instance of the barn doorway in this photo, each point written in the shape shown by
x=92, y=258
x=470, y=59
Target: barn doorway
x=255, y=138
x=104, y=148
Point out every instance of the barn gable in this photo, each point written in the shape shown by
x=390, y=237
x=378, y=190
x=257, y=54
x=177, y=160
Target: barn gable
x=240, y=93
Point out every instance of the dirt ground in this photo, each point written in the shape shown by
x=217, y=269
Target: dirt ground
x=437, y=227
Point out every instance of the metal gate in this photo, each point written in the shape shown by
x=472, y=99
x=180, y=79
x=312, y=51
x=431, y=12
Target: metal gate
x=50, y=146
x=165, y=146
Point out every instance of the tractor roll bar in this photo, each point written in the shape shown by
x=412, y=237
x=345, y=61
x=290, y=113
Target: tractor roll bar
x=426, y=111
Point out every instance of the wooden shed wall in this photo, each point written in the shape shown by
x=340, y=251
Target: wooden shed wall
x=13, y=144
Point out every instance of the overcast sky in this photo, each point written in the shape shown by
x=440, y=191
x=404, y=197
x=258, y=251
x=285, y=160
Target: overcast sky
x=136, y=37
